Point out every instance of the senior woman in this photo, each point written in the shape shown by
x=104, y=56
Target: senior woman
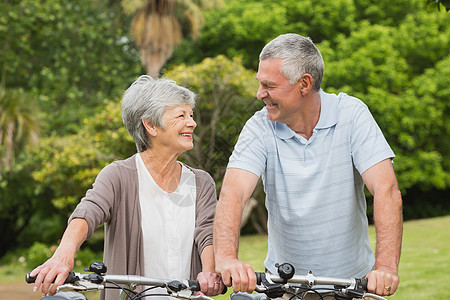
x=157, y=211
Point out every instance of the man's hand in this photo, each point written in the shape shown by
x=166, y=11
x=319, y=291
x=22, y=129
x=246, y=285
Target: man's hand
x=382, y=281
x=238, y=274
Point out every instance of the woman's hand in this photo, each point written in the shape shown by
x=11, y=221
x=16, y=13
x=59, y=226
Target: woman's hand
x=211, y=284
x=61, y=263
x=55, y=269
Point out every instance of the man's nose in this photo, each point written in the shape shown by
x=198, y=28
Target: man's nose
x=261, y=93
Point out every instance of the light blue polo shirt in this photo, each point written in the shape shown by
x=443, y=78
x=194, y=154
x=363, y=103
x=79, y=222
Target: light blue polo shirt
x=314, y=189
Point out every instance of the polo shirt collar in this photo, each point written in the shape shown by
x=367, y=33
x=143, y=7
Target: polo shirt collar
x=328, y=116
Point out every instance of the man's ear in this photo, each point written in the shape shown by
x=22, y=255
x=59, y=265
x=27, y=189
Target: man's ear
x=306, y=83
x=149, y=127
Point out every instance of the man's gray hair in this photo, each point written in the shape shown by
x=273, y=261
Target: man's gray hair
x=148, y=99
x=300, y=56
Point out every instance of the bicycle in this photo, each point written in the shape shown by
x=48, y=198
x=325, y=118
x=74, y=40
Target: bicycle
x=290, y=286
x=270, y=285
x=99, y=280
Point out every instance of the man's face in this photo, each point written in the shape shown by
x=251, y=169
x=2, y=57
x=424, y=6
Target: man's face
x=282, y=99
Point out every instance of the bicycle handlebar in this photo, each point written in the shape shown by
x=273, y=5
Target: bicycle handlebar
x=311, y=280
x=71, y=278
x=96, y=281
x=286, y=282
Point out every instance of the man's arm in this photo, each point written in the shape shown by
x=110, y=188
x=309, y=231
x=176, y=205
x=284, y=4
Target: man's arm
x=381, y=182
x=62, y=261
x=237, y=187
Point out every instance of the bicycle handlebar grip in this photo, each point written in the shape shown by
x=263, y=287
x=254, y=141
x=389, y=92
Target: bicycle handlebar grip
x=364, y=282
x=29, y=279
x=71, y=278
x=260, y=276
x=194, y=285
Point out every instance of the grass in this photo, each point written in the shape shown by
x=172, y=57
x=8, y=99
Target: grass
x=424, y=265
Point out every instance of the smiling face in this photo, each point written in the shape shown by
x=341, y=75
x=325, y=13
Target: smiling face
x=282, y=99
x=176, y=135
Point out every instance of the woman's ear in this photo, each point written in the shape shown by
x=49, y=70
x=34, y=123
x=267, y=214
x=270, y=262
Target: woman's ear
x=149, y=127
x=306, y=84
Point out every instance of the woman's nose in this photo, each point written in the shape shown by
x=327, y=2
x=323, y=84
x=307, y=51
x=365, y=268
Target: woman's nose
x=191, y=123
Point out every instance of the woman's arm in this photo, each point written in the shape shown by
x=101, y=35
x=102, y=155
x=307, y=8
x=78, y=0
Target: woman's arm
x=210, y=282
x=62, y=261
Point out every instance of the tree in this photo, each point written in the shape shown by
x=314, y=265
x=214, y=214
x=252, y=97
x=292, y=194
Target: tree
x=19, y=123
x=226, y=100
x=444, y=3
x=156, y=28
x=70, y=54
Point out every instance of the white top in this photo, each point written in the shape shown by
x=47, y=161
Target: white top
x=168, y=222
x=314, y=189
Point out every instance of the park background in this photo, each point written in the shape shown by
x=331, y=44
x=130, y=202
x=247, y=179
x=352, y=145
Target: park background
x=65, y=64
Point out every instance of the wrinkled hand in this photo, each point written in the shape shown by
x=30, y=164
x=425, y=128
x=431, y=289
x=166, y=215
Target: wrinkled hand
x=238, y=274
x=382, y=281
x=211, y=284
x=47, y=272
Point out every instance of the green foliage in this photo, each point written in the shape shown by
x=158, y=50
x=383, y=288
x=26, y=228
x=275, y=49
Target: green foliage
x=72, y=55
x=20, y=124
x=19, y=202
x=405, y=86
x=438, y=3
x=393, y=56
x=86, y=256
x=242, y=28
x=385, y=11
x=365, y=59
x=69, y=53
x=38, y=253
x=226, y=100
x=69, y=164
x=428, y=40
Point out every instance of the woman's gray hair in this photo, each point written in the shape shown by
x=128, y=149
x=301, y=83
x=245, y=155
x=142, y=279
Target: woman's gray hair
x=148, y=99
x=300, y=56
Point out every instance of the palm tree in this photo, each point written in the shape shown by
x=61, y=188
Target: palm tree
x=156, y=28
x=19, y=123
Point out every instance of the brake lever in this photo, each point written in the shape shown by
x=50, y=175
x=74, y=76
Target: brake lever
x=187, y=294
x=271, y=289
x=70, y=287
x=81, y=286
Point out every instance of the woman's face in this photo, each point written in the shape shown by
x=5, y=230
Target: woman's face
x=179, y=126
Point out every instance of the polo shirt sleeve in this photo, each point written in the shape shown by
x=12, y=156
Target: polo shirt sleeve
x=250, y=153
x=368, y=143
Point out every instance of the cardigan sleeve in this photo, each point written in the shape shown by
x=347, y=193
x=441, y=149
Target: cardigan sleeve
x=96, y=206
x=204, y=217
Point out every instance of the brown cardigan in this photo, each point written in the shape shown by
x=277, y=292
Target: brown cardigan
x=114, y=200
